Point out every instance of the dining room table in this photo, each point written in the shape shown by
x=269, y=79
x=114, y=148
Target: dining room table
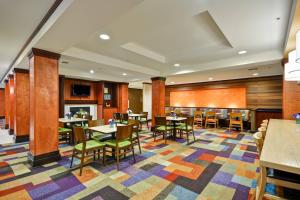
x=135, y=116
x=175, y=120
x=106, y=129
x=281, y=150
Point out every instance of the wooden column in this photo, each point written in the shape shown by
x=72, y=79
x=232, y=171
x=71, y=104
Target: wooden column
x=158, y=97
x=11, y=121
x=2, y=103
x=100, y=88
x=122, y=97
x=21, y=103
x=6, y=104
x=44, y=100
x=291, y=99
x=61, y=96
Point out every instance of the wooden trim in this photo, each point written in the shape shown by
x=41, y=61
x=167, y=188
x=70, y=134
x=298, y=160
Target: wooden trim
x=10, y=76
x=43, y=53
x=34, y=33
x=226, y=81
x=77, y=79
x=81, y=101
x=21, y=138
x=19, y=70
x=43, y=159
x=158, y=78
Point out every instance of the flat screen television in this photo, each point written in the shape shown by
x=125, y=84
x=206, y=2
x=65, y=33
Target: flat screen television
x=81, y=90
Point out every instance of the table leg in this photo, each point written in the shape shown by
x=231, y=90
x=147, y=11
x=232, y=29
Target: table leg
x=174, y=130
x=260, y=189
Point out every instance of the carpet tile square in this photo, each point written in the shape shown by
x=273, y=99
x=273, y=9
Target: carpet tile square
x=219, y=164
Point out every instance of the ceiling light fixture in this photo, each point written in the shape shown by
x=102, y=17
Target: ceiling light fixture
x=255, y=74
x=91, y=71
x=242, y=52
x=124, y=74
x=104, y=36
x=210, y=78
x=176, y=65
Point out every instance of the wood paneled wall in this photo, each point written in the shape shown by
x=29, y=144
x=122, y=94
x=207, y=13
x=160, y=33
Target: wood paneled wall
x=68, y=88
x=135, y=97
x=2, y=102
x=262, y=92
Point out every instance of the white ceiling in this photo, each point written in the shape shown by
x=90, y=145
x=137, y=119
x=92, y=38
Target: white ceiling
x=149, y=36
x=18, y=19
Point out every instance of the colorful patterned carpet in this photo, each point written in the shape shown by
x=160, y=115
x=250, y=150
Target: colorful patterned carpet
x=219, y=165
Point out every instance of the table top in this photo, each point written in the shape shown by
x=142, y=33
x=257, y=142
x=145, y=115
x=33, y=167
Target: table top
x=135, y=115
x=65, y=120
x=281, y=148
x=175, y=118
x=105, y=128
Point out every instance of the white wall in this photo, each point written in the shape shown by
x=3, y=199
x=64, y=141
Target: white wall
x=147, y=99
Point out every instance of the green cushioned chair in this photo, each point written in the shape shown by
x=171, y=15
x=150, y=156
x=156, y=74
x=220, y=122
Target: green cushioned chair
x=144, y=119
x=65, y=133
x=122, y=144
x=161, y=128
x=83, y=147
x=187, y=128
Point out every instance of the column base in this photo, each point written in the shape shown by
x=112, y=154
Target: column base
x=11, y=131
x=21, y=138
x=44, y=158
x=6, y=126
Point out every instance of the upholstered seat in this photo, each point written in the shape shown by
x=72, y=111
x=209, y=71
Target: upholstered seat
x=163, y=128
x=91, y=144
x=113, y=143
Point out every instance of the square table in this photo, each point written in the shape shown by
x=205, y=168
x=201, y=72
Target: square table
x=106, y=129
x=175, y=120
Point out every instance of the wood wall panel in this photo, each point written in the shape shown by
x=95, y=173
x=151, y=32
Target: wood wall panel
x=21, y=125
x=108, y=113
x=68, y=87
x=135, y=97
x=291, y=99
x=2, y=102
x=263, y=92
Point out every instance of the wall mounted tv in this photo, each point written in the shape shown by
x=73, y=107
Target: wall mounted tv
x=81, y=90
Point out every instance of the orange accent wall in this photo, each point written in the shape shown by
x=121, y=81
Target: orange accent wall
x=44, y=94
x=21, y=126
x=222, y=98
x=291, y=99
x=2, y=102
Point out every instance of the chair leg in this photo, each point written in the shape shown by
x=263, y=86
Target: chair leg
x=72, y=159
x=193, y=135
x=133, y=153
x=187, y=137
x=138, y=139
x=165, y=137
x=118, y=157
x=104, y=155
x=154, y=134
x=81, y=163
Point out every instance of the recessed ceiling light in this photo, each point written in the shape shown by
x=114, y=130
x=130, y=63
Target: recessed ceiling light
x=176, y=65
x=242, y=52
x=104, y=36
x=172, y=82
x=124, y=74
x=210, y=78
x=255, y=74
x=91, y=71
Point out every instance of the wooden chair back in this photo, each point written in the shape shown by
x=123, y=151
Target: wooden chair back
x=124, y=132
x=135, y=124
x=211, y=115
x=98, y=122
x=236, y=117
x=61, y=124
x=198, y=114
x=79, y=135
x=117, y=116
x=125, y=117
x=160, y=121
x=145, y=115
x=178, y=113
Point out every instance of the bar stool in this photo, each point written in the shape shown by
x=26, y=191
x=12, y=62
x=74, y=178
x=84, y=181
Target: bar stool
x=258, y=138
x=263, y=130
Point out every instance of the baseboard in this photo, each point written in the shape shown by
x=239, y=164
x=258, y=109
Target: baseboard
x=44, y=158
x=21, y=138
x=11, y=131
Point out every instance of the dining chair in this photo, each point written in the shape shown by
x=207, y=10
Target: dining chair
x=187, y=128
x=123, y=142
x=65, y=133
x=117, y=117
x=211, y=118
x=124, y=118
x=144, y=119
x=83, y=147
x=235, y=120
x=198, y=118
x=94, y=134
x=135, y=132
x=161, y=127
